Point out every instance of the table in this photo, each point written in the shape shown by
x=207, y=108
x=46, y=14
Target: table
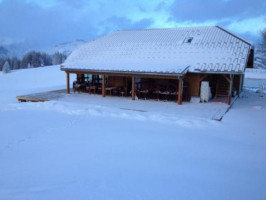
x=109, y=89
x=92, y=89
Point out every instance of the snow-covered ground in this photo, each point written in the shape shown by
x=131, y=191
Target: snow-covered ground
x=87, y=147
x=255, y=78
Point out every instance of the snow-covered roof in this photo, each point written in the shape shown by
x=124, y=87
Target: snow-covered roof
x=199, y=49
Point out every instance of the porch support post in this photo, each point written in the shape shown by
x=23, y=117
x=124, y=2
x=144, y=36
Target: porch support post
x=180, y=90
x=240, y=84
x=67, y=82
x=133, y=88
x=103, y=85
x=230, y=89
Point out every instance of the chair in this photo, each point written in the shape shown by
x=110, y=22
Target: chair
x=142, y=91
x=76, y=86
x=99, y=89
x=119, y=91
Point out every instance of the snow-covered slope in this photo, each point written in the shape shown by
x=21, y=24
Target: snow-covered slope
x=66, y=47
x=19, y=49
x=86, y=147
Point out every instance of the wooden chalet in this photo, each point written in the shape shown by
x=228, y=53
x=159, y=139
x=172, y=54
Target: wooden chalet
x=167, y=64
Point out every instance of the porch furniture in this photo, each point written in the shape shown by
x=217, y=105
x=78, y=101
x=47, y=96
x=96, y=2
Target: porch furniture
x=160, y=91
x=143, y=93
x=173, y=92
x=119, y=91
x=164, y=95
x=156, y=94
x=99, y=89
x=173, y=95
x=109, y=89
x=78, y=86
x=122, y=93
x=91, y=89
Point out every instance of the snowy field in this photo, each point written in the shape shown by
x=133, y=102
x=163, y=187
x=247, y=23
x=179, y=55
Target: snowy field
x=87, y=147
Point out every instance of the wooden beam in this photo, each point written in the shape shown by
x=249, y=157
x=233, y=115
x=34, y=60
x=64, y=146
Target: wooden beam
x=228, y=79
x=240, y=84
x=103, y=86
x=126, y=75
x=133, y=88
x=180, y=88
x=67, y=80
x=203, y=77
x=230, y=89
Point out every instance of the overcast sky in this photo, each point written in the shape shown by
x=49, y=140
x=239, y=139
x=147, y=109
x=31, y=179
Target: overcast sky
x=49, y=22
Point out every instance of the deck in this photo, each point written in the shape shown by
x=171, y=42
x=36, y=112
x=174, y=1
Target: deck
x=42, y=96
x=215, y=111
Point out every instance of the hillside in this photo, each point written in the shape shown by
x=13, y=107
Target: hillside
x=65, y=48
x=13, y=49
x=20, y=49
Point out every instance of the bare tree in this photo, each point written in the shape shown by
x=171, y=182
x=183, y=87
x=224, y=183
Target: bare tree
x=260, y=57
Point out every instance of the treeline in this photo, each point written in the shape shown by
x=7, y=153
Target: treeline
x=260, y=53
x=33, y=59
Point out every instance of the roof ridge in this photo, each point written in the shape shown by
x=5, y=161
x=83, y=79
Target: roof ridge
x=173, y=28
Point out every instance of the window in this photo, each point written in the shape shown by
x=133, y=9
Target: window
x=87, y=77
x=188, y=40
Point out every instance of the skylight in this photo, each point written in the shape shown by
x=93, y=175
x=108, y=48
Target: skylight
x=188, y=40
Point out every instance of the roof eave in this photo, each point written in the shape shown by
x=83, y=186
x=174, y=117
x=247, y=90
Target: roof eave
x=142, y=73
x=218, y=72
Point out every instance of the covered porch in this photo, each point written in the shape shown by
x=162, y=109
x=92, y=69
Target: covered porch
x=179, y=87
x=157, y=87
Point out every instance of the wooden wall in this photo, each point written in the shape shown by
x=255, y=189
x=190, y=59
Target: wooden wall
x=193, y=81
x=116, y=81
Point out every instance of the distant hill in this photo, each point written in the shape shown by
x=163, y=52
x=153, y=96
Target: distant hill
x=66, y=47
x=20, y=49
x=3, y=51
x=13, y=49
